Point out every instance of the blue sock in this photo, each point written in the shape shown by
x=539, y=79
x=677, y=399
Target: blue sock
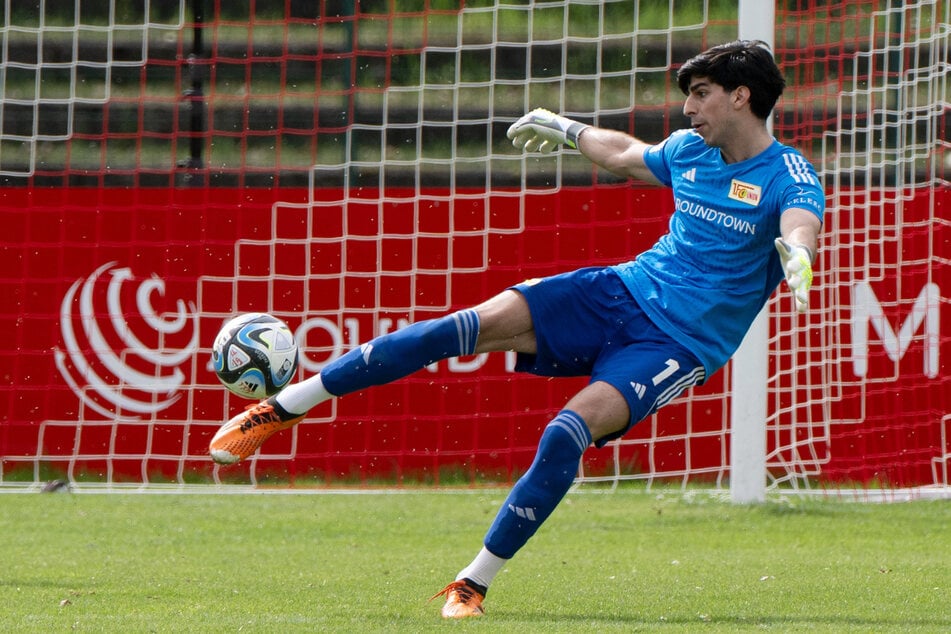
x=402, y=352
x=538, y=492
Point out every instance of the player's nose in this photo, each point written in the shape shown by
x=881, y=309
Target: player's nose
x=689, y=107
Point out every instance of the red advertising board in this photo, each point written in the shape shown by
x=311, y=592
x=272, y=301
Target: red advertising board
x=113, y=298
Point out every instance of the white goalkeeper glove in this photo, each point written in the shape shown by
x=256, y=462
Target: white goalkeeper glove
x=797, y=266
x=543, y=131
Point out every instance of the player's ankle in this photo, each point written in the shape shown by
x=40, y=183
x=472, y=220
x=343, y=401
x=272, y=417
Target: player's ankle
x=483, y=590
x=284, y=414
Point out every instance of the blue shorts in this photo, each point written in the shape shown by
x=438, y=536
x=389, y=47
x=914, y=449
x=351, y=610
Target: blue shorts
x=587, y=324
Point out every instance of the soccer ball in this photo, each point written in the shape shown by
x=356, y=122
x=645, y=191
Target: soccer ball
x=254, y=355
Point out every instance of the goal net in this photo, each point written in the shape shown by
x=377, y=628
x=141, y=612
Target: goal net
x=344, y=166
x=857, y=390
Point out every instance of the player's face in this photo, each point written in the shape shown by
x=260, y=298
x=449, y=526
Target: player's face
x=710, y=110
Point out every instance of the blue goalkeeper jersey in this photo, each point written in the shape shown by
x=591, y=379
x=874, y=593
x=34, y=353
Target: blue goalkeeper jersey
x=704, y=281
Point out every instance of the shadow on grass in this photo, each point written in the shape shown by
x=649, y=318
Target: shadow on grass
x=528, y=618
x=69, y=585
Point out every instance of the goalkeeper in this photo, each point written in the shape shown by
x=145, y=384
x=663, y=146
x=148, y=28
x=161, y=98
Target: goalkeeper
x=747, y=212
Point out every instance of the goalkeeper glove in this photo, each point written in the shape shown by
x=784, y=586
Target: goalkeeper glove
x=797, y=266
x=543, y=130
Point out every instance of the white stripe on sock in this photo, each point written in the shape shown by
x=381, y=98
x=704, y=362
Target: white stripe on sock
x=573, y=424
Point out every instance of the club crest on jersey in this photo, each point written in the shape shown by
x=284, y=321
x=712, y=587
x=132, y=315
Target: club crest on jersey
x=745, y=193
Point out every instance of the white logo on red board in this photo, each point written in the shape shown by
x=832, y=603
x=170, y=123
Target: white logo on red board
x=122, y=359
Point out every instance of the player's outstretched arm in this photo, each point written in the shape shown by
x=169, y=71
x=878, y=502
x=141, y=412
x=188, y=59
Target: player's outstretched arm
x=797, y=251
x=543, y=130
x=619, y=153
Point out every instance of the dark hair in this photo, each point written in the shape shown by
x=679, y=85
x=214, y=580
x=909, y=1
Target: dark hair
x=741, y=63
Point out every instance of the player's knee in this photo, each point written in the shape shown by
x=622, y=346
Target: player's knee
x=603, y=408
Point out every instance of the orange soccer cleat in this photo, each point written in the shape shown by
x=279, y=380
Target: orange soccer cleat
x=242, y=435
x=462, y=600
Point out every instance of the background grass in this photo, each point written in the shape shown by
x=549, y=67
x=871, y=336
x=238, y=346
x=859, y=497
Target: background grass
x=622, y=561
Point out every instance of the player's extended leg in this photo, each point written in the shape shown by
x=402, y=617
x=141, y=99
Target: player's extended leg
x=595, y=412
x=502, y=322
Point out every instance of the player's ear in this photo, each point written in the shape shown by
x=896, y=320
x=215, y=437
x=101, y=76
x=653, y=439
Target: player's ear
x=740, y=96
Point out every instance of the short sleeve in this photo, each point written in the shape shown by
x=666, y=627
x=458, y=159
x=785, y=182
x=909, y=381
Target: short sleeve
x=804, y=190
x=659, y=158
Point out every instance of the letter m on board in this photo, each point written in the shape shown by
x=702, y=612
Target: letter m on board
x=866, y=310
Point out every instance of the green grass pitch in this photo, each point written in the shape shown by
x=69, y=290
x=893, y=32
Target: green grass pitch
x=605, y=562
